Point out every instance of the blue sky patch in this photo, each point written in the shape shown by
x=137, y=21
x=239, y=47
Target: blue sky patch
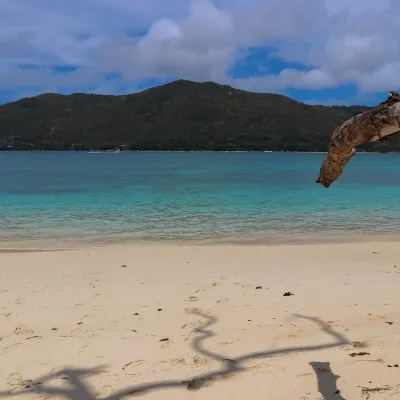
x=260, y=61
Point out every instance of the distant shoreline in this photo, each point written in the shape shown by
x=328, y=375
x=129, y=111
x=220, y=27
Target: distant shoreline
x=184, y=151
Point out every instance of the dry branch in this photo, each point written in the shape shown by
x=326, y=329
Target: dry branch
x=369, y=126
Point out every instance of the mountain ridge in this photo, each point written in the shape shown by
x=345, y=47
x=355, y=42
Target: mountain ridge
x=180, y=115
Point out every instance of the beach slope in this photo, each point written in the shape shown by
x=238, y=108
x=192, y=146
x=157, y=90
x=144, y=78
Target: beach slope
x=201, y=322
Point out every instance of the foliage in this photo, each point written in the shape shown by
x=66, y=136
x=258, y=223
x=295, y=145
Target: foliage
x=181, y=115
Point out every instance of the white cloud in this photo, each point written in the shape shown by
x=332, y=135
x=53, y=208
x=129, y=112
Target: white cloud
x=341, y=42
x=354, y=48
x=314, y=79
x=200, y=46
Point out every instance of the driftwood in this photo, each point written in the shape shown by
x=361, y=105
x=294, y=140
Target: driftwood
x=369, y=126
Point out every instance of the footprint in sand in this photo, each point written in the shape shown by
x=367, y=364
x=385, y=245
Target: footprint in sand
x=223, y=301
x=166, y=343
x=83, y=348
x=191, y=310
x=14, y=379
x=17, y=383
x=20, y=301
x=34, y=338
x=309, y=373
x=23, y=330
x=200, y=360
x=57, y=370
x=203, y=323
x=191, y=325
x=104, y=392
x=79, y=332
x=193, y=298
x=217, y=284
x=39, y=290
x=5, y=315
x=131, y=367
x=230, y=376
x=354, y=345
x=191, y=337
x=9, y=349
x=255, y=365
x=178, y=361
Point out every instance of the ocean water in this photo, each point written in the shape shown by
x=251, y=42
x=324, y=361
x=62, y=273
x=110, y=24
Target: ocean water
x=194, y=197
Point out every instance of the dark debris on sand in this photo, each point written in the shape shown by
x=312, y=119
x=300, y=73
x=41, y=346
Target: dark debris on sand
x=368, y=391
x=362, y=353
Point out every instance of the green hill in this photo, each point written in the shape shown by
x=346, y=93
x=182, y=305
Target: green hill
x=181, y=115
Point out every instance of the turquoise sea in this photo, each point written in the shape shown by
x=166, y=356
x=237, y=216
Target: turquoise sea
x=194, y=197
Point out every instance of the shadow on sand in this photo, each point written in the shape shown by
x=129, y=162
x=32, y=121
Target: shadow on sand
x=326, y=380
x=78, y=389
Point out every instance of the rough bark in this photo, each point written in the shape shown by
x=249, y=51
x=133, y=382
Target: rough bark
x=369, y=126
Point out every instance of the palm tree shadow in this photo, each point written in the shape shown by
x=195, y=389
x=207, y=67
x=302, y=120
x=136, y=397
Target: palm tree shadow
x=78, y=389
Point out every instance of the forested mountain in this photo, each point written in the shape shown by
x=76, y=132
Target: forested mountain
x=181, y=115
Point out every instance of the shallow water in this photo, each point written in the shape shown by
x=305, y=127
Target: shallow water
x=217, y=197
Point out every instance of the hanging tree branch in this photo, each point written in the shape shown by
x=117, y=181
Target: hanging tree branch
x=369, y=126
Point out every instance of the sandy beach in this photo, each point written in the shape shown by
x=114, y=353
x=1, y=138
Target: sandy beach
x=200, y=322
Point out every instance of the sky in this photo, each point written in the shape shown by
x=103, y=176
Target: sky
x=316, y=51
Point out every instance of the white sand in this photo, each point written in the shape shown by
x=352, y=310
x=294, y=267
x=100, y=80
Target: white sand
x=68, y=323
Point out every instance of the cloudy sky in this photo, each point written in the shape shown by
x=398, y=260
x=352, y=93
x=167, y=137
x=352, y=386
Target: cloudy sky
x=316, y=51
